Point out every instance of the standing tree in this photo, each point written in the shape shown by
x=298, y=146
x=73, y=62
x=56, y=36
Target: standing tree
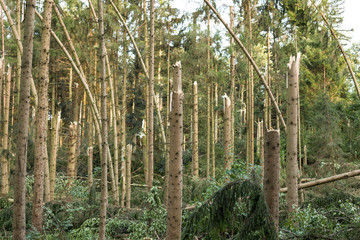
x=174, y=215
x=41, y=154
x=19, y=224
x=104, y=123
x=291, y=135
x=195, y=138
x=150, y=127
x=227, y=132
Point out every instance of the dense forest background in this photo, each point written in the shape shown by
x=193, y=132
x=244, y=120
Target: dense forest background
x=221, y=150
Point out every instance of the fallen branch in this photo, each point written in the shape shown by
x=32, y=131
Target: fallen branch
x=325, y=180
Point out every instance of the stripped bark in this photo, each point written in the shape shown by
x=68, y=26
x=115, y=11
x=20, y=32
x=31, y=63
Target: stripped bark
x=55, y=129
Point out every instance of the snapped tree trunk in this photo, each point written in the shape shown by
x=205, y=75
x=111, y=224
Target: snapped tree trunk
x=291, y=136
x=19, y=224
x=272, y=173
x=173, y=228
x=195, y=139
x=227, y=132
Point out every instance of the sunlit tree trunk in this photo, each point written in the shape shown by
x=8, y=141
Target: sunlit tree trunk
x=195, y=140
x=19, y=224
x=104, y=123
x=41, y=154
x=18, y=53
x=123, y=123
x=291, y=136
x=174, y=214
x=227, y=132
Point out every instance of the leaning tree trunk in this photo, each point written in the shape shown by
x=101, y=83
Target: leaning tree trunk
x=272, y=173
x=41, y=154
x=195, y=140
x=5, y=136
x=104, y=122
x=19, y=224
x=291, y=136
x=173, y=229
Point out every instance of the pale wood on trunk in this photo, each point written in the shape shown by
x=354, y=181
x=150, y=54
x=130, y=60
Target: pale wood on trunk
x=195, y=139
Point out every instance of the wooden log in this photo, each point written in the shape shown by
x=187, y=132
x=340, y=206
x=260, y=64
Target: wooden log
x=325, y=180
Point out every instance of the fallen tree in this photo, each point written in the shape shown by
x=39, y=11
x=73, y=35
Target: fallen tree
x=325, y=180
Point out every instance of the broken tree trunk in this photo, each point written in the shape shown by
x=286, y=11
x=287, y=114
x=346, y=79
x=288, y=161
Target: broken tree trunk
x=173, y=229
x=291, y=135
x=325, y=180
x=252, y=63
x=272, y=173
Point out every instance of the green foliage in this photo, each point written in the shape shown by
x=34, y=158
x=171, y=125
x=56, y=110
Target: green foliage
x=335, y=216
x=223, y=216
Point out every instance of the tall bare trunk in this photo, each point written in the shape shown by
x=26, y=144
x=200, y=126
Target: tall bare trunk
x=208, y=135
x=104, y=123
x=173, y=229
x=150, y=127
x=90, y=166
x=167, y=159
x=146, y=130
x=53, y=151
x=18, y=53
x=291, y=136
x=195, y=140
x=272, y=173
x=128, y=176
x=19, y=224
x=232, y=78
x=5, y=136
x=41, y=154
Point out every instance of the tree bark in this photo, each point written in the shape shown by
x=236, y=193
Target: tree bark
x=53, y=151
x=208, y=135
x=19, y=224
x=5, y=137
x=150, y=127
x=195, y=139
x=291, y=136
x=252, y=63
x=227, y=133
x=104, y=123
x=272, y=173
x=325, y=180
x=128, y=176
x=41, y=154
x=173, y=229
x=232, y=78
